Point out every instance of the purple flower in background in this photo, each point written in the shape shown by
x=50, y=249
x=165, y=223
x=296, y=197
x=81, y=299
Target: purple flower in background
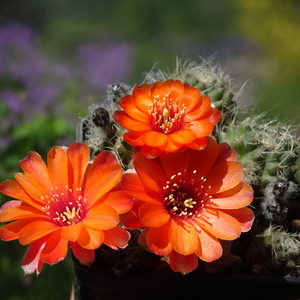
x=38, y=79
x=16, y=48
x=33, y=83
x=35, y=87
x=12, y=100
x=16, y=34
x=102, y=64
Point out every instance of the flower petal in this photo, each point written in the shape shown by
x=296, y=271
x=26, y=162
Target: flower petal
x=78, y=160
x=55, y=249
x=197, y=144
x=175, y=88
x=132, y=185
x=130, y=219
x=224, y=176
x=190, y=98
x=183, y=237
x=33, y=187
x=200, y=108
x=150, y=172
x=158, y=239
x=13, y=189
x=174, y=163
x=129, y=123
x=31, y=261
x=171, y=146
x=119, y=200
x=160, y=91
x=57, y=162
x=11, y=231
x=244, y=215
x=135, y=138
x=141, y=97
x=153, y=215
x=33, y=164
x=116, y=238
x=90, y=238
x=132, y=111
x=210, y=248
x=202, y=161
x=11, y=204
x=101, y=177
x=225, y=153
x=36, y=230
x=155, y=139
x=101, y=217
x=85, y=256
x=183, y=263
x=201, y=128
x=152, y=152
x=20, y=212
x=71, y=233
x=182, y=136
x=213, y=116
x=219, y=224
x=239, y=196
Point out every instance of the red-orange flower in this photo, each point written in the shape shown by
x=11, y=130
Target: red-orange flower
x=69, y=201
x=166, y=116
x=188, y=201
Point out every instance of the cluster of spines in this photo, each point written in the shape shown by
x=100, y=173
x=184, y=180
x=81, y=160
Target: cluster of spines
x=267, y=149
x=283, y=247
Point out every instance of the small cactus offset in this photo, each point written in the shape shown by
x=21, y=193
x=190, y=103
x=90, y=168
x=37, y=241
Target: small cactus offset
x=276, y=251
x=98, y=129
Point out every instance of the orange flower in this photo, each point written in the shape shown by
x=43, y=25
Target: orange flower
x=166, y=116
x=189, y=201
x=69, y=201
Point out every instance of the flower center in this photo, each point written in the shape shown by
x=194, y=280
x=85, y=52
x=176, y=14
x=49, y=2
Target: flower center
x=186, y=197
x=65, y=207
x=166, y=116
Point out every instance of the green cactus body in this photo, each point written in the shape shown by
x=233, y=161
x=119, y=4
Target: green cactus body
x=284, y=255
x=266, y=149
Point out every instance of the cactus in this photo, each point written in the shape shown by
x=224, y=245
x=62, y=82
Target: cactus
x=283, y=249
x=267, y=149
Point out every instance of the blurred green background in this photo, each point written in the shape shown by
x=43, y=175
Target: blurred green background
x=58, y=56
